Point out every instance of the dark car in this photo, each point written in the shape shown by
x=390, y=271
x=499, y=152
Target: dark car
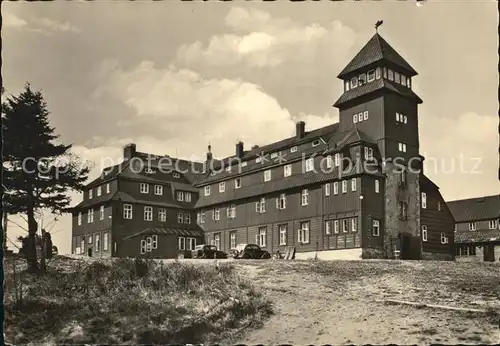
x=207, y=251
x=250, y=251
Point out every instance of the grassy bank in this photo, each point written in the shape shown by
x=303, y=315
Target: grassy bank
x=132, y=302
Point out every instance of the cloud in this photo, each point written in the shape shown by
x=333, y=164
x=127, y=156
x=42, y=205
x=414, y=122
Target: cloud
x=262, y=41
x=12, y=21
x=37, y=24
x=48, y=25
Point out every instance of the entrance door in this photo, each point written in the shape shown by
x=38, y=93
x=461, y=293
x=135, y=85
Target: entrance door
x=90, y=252
x=405, y=239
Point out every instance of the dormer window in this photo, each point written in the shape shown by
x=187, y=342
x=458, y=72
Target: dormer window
x=390, y=74
x=397, y=77
x=258, y=160
x=403, y=79
x=293, y=149
x=362, y=79
x=244, y=164
x=377, y=73
x=371, y=75
x=176, y=175
x=274, y=155
x=315, y=143
x=354, y=82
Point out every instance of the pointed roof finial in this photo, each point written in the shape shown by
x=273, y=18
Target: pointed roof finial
x=377, y=24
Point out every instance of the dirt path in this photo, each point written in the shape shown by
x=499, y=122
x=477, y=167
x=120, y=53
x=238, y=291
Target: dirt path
x=310, y=312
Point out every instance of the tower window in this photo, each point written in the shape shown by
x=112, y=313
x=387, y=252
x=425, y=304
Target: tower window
x=402, y=147
x=390, y=74
x=362, y=79
x=397, y=78
x=377, y=73
x=371, y=75
x=354, y=82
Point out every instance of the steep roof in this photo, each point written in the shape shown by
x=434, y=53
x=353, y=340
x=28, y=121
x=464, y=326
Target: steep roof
x=478, y=208
x=375, y=50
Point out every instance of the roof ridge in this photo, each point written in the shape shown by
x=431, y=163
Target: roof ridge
x=473, y=198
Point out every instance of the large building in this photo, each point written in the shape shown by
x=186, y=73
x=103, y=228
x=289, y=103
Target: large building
x=302, y=192
x=350, y=190
x=477, y=228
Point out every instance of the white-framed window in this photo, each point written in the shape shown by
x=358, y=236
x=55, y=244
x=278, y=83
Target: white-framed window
x=105, y=241
x=261, y=237
x=335, y=187
x=375, y=228
x=315, y=143
x=304, y=197
x=217, y=240
x=232, y=211
x=176, y=175
x=90, y=193
x=354, y=82
x=327, y=189
x=390, y=74
x=283, y=233
x=148, y=213
x=89, y=238
x=397, y=77
x=329, y=161
x=377, y=73
x=207, y=190
x=79, y=218
x=267, y=175
x=365, y=115
x=345, y=225
x=287, y=170
x=360, y=117
x=158, y=190
x=90, y=216
x=99, y=191
x=377, y=186
x=344, y=186
x=108, y=188
x=402, y=147
x=310, y=164
x=180, y=196
x=258, y=160
x=202, y=217
x=328, y=227
x=403, y=79
x=187, y=196
x=293, y=149
x=187, y=218
x=262, y=204
x=444, y=238
x=237, y=183
x=355, y=118
x=217, y=214
x=354, y=224
x=424, y=233
x=101, y=213
x=371, y=75
x=232, y=240
x=353, y=184
x=244, y=164
x=162, y=214
x=182, y=243
x=424, y=200
x=493, y=224
x=97, y=246
x=180, y=218
x=362, y=79
x=337, y=160
x=304, y=233
x=281, y=202
x=144, y=188
x=368, y=153
x=154, y=241
x=82, y=245
x=143, y=246
x=346, y=85
x=127, y=211
x=336, y=227
x=222, y=187
x=472, y=226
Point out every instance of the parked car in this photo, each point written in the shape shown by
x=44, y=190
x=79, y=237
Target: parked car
x=207, y=251
x=250, y=251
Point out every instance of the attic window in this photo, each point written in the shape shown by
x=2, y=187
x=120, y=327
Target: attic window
x=397, y=77
x=176, y=175
x=403, y=80
x=362, y=79
x=258, y=160
x=274, y=155
x=244, y=164
x=315, y=143
x=354, y=82
x=371, y=75
x=293, y=149
x=390, y=74
x=377, y=73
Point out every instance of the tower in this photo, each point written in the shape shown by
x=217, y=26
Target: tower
x=378, y=101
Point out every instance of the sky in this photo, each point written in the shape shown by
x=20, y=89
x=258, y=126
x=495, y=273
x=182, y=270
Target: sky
x=173, y=77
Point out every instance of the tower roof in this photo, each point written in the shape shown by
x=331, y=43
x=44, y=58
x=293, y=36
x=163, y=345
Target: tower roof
x=375, y=50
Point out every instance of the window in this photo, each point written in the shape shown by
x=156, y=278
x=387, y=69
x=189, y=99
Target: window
x=232, y=240
x=82, y=245
x=207, y=190
x=304, y=233
x=262, y=204
x=304, y=197
x=180, y=218
x=362, y=79
x=327, y=189
x=315, y=143
x=154, y=241
x=408, y=82
x=202, y=217
x=101, y=213
x=329, y=162
x=353, y=184
x=401, y=118
x=402, y=147
x=328, y=227
x=385, y=72
x=228, y=169
x=231, y=212
x=390, y=74
x=377, y=186
x=397, y=77
x=187, y=196
x=97, y=242
x=472, y=226
x=371, y=75
x=344, y=186
x=287, y=170
x=267, y=175
x=79, y=219
x=439, y=205
x=143, y=246
x=377, y=73
x=336, y=188
x=99, y=191
x=493, y=224
x=148, y=213
x=217, y=214
x=346, y=85
x=144, y=188
x=127, y=211
x=90, y=216
x=354, y=82
x=444, y=239
x=182, y=243
x=403, y=210
x=337, y=160
x=108, y=188
x=261, y=237
x=283, y=232
x=281, y=202
x=424, y=200
x=90, y=194
x=293, y=149
x=258, y=160
x=187, y=218
x=176, y=175
x=222, y=187
x=162, y=214
x=345, y=225
x=424, y=233
x=89, y=238
x=158, y=190
x=375, y=228
x=180, y=196
x=360, y=117
x=355, y=118
x=354, y=224
x=105, y=241
x=365, y=115
x=309, y=164
x=217, y=241
x=368, y=153
x=403, y=79
x=336, y=226
x=237, y=183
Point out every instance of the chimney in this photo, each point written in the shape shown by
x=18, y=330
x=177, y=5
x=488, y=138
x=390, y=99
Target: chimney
x=239, y=149
x=209, y=153
x=300, y=128
x=129, y=151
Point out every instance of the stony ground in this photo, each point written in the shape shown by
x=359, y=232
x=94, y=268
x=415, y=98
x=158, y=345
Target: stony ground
x=343, y=302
